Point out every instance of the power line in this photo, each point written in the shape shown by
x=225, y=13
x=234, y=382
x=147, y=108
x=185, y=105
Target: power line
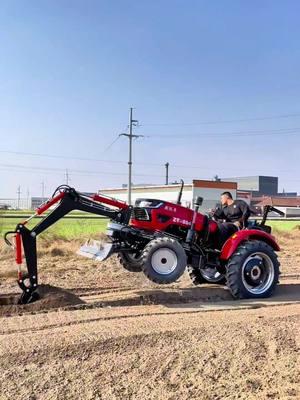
x=94, y=174
x=281, y=131
x=73, y=171
x=112, y=143
x=98, y=160
x=263, y=132
x=74, y=158
x=115, y=140
x=77, y=172
x=224, y=121
x=60, y=156
x=61, y=171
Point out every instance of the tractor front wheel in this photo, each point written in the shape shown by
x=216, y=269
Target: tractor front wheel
x=252, y=271
x=163, y=260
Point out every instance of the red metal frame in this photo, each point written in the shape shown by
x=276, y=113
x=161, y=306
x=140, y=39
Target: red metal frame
x=18, y=253
x=110, y=201
x=40, y=210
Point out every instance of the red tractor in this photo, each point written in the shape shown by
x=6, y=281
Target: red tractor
x=161, y=239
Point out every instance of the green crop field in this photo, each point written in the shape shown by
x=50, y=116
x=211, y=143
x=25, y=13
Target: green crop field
x=21, y=213
x=65, y=228
x=283, y=225
x=68, y=228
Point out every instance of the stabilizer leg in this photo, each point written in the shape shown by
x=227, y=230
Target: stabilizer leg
x=29, y=281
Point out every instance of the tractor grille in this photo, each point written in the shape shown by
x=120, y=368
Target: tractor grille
x=140, y=214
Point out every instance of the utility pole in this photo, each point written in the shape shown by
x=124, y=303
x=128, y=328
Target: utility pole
x=43, y=190
x=27, y=193
x=167, y=173
x=19, y=196
x=67, y=177
x=132, y=123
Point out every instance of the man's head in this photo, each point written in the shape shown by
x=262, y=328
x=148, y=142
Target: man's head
x=226, y=199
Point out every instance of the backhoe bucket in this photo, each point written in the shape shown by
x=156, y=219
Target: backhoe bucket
x=96, y=250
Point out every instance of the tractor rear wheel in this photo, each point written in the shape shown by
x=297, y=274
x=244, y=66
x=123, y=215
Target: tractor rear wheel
x=253, y=270
x=130, y=261
x=163, y=260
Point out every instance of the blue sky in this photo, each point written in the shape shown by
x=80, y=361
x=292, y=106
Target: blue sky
x=70, y=70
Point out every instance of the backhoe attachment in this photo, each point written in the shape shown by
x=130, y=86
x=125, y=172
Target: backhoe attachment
x=66, y=200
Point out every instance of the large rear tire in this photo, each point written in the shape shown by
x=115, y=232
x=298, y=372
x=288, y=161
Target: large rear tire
x=130, y=261
x=163, y=260
x=253, y=271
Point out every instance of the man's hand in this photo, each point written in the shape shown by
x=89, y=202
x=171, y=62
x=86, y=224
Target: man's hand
x=237, y=224
x=211, y=211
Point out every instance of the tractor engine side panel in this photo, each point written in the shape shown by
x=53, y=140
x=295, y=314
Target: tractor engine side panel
x=168, y=215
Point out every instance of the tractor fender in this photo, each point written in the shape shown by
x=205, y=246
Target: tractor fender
x=239, y=237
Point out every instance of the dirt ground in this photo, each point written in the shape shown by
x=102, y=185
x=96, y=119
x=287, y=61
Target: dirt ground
x=100, y=332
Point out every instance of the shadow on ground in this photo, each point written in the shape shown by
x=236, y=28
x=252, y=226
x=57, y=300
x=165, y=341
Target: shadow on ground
x=205, y=297
x=195, y=297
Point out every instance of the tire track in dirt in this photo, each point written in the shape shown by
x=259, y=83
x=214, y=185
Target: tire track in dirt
x=214, y=355
x=134, y=316
x=151, y=309
x=131, y=339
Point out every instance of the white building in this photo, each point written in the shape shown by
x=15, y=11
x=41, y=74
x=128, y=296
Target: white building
x=209, y=190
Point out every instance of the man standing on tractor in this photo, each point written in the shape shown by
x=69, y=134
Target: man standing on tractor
x=231, y=216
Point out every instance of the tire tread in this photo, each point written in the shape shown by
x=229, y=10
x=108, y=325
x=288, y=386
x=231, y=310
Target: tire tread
x=234, y=265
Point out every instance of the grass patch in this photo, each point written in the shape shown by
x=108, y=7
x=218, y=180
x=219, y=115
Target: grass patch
x=18, y=213
x=77, y=228
x=63, y=229
x=67, y=228
x=285, y=226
